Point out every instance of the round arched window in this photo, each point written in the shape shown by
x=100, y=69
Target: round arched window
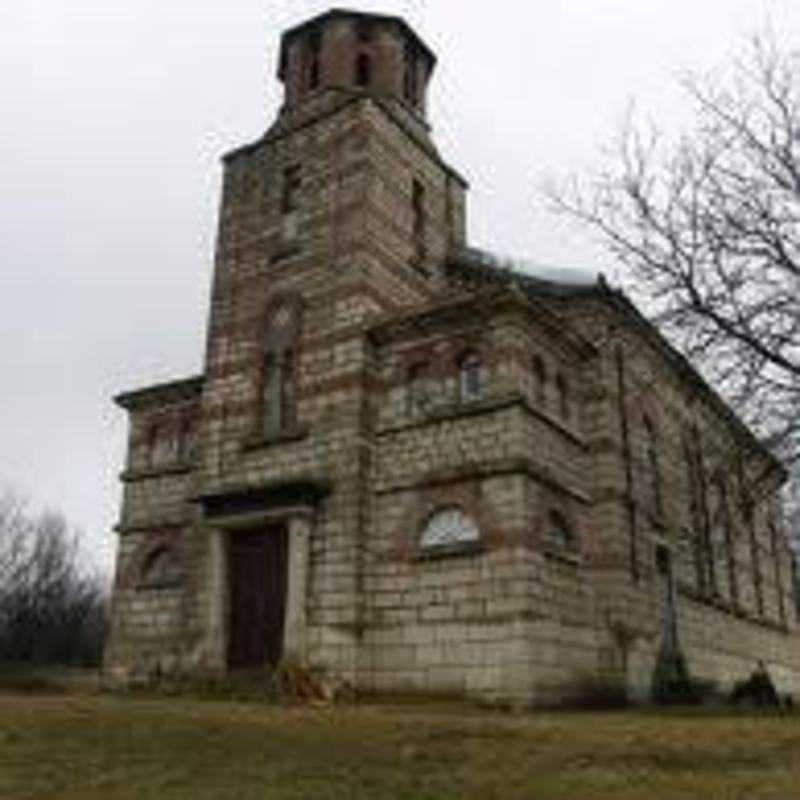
x=161, y=569
x=449, y=526
x=560, y=533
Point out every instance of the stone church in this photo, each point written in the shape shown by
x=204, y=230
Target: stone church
x=411, y=468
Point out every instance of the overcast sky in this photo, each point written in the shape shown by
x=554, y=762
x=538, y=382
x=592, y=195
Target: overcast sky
x=115, y=115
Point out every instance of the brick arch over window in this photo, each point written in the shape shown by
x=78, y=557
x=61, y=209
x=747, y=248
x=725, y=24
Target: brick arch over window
x=277, y=365
x=163, y=431
x=645, y=404
x=422, y=505
x=363, y=70
x=650, y=464
x=449, y=526
x=552, y=504
x=471, y=375
x=167, y=541
x=162, y=569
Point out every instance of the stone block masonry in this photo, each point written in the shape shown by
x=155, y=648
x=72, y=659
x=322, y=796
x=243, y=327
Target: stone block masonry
x=413, y=470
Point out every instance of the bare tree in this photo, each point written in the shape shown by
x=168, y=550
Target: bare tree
x=708, y=229
x=51, y=609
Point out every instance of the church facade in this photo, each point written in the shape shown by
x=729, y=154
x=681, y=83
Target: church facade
x=413, y=470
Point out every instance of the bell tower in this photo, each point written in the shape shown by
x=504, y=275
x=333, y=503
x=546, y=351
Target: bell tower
x=341, y=213
x=351, y=51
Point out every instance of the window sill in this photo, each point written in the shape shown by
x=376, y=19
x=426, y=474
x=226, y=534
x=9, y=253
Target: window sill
x=175, y=468
x=260, y=440
x=564, y=556
x=718, y=603
x=173, y=586
x=450, y=550
x=285, y=253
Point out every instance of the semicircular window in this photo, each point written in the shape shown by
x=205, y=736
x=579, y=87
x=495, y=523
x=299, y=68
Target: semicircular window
x=161, y=570
x=449, y=526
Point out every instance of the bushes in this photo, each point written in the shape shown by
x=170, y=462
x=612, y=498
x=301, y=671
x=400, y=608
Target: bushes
x=51, y=610
x=758, y=690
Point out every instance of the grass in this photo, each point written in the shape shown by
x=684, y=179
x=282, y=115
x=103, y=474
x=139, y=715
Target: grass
x=114, y=747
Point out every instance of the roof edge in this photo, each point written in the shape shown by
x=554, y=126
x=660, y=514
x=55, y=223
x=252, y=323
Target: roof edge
x=333, y=13
x=181, y=389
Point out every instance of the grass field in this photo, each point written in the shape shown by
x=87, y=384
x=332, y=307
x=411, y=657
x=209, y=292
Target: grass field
x=107, y=747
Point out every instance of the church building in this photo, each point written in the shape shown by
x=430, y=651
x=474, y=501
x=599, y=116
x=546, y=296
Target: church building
x=410, y=468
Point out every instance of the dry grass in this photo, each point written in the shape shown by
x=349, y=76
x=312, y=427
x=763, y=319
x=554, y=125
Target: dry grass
x=108, y=747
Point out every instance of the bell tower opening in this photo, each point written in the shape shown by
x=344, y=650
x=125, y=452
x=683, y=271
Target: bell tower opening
x=349, y=50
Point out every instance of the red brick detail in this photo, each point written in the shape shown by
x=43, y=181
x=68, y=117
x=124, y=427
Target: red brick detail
x=169, y=539
x=174, y=420
x=443, y=358
x=552, y=500
x=644, y=404
x=422, y=504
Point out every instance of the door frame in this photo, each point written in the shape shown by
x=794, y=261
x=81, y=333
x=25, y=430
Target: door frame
x=301, y=523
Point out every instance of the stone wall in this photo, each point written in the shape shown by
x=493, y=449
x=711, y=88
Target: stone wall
x=578, y=450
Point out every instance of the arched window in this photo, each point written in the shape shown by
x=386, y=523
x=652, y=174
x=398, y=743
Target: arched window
x=187, y=439
x=278, y=393
x=559, y=533
x=652, y=477
x=271, y=395
x=279, y=371
x=153, y=437
x=447, y=527
x=161, y=570
x=563, y=397
x=775, y=550
x=287, y=388
x=313, y=73
x=363, y=70
x=410, y=90
x=417, y=388
x=469, y=377
x=539, y=377
x=314, y=45
x=162, y=443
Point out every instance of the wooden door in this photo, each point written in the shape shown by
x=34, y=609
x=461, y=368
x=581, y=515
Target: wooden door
x=258, y=581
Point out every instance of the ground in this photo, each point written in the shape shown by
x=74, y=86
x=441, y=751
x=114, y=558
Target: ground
x=107, y=747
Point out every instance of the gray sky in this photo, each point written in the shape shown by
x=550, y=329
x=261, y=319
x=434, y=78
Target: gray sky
x=115, y=115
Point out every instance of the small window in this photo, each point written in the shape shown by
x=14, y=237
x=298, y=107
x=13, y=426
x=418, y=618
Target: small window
x=410, y=89
x=314, y=46
x=271, y=395
x=563, y=397
x=448, y=527
x=278, y=392
x=417, y=388
x=291, y=189
x=313, y=73
x=470, y=377
x=419, y=220
x=663, y=560
x=560, y=534
x=363, y=70
x=162, y=444
x=287, y=389
x=154, y=435
x=161, y=570
x=539, y=378
x=187, y=439
x=651, y=469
